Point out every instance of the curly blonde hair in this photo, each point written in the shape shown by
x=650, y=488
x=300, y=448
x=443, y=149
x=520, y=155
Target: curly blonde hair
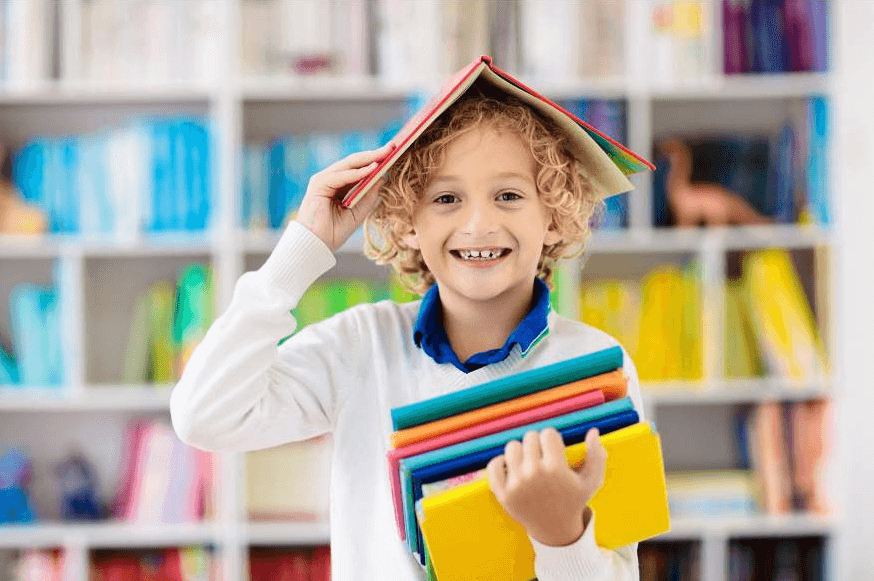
x=560, y=179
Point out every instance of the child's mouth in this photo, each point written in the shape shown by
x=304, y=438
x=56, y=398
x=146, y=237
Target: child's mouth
x=481, y=259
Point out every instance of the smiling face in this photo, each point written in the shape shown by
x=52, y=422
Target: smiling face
x=480, y=224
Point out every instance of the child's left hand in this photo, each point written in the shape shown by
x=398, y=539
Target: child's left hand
x=534, y=483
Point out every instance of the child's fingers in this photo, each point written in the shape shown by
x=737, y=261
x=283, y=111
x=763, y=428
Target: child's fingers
x=596, y=461
x=552, y=445
x=496, y=471
x=361, y=158
x=331, y=181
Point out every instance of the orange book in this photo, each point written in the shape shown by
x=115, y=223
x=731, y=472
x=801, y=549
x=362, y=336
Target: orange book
x=613, y=384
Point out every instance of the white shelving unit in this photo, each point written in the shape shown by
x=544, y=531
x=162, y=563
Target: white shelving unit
x=245, y=108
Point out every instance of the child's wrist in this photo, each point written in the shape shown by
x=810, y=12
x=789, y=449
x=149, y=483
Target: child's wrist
x=562, y=534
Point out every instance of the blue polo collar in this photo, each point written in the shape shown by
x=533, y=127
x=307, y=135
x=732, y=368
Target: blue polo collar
x=429, y=334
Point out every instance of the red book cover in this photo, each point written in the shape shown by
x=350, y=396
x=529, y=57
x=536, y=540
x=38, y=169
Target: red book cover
x=608, y=163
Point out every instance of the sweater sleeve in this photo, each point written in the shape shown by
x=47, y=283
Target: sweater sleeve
x=584, y=560
x=239, y=390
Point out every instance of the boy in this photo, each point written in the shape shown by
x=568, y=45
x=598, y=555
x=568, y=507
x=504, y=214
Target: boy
x=473, y=215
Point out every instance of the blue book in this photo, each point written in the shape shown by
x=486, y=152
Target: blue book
x=163, y=218
x=8, y=368
x=784, y=176
x=571, y=434
x=276, y=185
x=96, y=213
x=200, y=159
x=28, y=334
x=506, y=388
x=180, y=171
x=818, y=160
x=28, y=168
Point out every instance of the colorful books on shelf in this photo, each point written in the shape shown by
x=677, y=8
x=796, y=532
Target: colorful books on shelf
x=773, y=37
x=297, y=564
x=162, y=480
x=153, y=175
x=444, y=507
x=169, y=320
x=782, y=174
x=782, y=321
x=276, y=173
x=168, y=564
x=785, y=444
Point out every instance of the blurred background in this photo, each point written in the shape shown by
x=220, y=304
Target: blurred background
x=153, y=150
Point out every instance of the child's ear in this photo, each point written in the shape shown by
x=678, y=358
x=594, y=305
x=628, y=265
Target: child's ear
x=411, y=239
x=552, y=236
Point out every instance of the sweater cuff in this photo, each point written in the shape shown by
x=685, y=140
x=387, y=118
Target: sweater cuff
x=299, y=258
x=581, y=559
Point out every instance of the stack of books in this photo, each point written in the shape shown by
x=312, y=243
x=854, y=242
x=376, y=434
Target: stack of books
x=444, y=507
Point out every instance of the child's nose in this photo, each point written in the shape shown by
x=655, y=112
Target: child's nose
x=480, y=219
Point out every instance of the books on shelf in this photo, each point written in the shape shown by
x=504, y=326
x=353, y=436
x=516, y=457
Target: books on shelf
x=148, y=41
x=171, y=564
x=161, y=479
x=27, y=42
x=443, y=500
x=297, y=564
x=783, y=174
x=774, y=37
x=682, y=41
x=289, y=482
x=36, y=355
x=783, y=446
x=659, y=320
x=148, y=176
x=169, y=320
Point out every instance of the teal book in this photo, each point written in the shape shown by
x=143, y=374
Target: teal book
x=506, y=388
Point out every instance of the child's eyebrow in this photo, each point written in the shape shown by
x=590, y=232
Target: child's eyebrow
x=505, y=174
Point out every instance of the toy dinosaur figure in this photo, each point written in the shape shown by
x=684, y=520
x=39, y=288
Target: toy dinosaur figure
x=702, y=203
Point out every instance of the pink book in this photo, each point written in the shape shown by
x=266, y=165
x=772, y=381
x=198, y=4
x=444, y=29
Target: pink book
x=544, y=412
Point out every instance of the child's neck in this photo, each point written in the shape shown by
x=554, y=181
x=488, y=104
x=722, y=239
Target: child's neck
x=476, y=327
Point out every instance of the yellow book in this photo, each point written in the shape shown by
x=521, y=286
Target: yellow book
x=784, y=324
x=469, y=535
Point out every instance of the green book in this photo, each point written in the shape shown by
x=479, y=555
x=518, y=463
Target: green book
x=507, y=388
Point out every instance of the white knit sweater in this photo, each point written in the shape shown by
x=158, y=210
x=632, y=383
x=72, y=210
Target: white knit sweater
x=344, y=375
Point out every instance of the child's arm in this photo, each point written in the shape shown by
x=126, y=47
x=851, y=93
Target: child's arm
x=239, y=391
x=536, y=487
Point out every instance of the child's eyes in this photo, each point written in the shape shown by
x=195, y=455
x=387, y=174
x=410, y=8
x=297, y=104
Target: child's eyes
x=445, y=199
x=513, y=196
x=503, y=196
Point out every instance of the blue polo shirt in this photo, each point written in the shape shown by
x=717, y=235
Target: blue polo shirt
x=429, y=334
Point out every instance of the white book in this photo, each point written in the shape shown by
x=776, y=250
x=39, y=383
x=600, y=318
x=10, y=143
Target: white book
x=290, y=481
x=202, y=35
x=256, y=36
x=549, y=39
x=129, y=163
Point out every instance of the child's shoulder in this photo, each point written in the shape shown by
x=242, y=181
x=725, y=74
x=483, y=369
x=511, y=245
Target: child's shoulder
x=583, y=337
x=384, y=315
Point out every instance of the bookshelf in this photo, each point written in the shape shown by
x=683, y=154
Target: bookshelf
x=99, y=274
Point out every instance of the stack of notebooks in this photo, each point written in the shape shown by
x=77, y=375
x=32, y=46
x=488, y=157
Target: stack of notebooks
x=444, y=507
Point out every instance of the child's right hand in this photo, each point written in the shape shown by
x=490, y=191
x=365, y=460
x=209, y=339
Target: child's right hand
x=320, y=210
